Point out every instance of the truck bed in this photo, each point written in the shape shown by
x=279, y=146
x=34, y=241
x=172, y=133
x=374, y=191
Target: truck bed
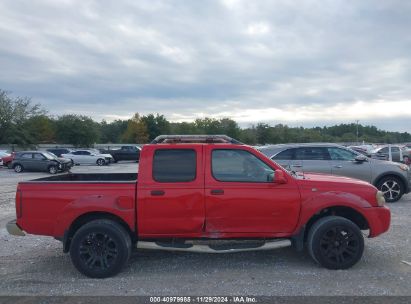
x=92, y=177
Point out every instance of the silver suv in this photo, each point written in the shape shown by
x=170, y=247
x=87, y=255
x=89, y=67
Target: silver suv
x=393, y=179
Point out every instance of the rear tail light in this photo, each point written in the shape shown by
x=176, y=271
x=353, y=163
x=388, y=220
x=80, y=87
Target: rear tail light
x=19, y=202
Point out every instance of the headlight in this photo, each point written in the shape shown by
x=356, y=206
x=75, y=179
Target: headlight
x=404, y=167
x=380, y=198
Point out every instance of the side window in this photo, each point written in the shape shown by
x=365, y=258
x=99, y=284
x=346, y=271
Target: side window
x=341, y=154
x=239, y=166
x=38, y=156
x=77, y=153
x=86, y=153
x=312, y=153
x=285, y=155
x=395, y=149
x=27, y=156
x=174, y=165
x=384, y=150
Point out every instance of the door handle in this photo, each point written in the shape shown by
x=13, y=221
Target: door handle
x=157, y=192
x=297, y=165
x=338, y=166
x=217, y=192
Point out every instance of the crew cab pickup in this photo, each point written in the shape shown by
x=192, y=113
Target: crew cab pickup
x=201, y=194
x=124, y=153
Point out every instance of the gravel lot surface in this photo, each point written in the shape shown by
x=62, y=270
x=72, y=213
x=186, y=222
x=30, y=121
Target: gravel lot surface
x=34, y=265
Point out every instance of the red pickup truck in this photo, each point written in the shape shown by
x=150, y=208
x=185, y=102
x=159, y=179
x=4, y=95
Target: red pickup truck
x=201, y=194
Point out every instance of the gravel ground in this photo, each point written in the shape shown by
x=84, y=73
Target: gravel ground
x=34, y=265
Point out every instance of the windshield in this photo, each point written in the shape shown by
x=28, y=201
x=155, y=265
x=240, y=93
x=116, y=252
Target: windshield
x=49, y=155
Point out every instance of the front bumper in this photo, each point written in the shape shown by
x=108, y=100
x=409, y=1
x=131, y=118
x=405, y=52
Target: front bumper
x=13, y=229
x=379, y=219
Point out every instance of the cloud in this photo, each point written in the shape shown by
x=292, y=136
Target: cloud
x=305, y=62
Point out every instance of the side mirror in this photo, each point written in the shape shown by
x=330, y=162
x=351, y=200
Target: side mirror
x=360, y=158
x=279, y=177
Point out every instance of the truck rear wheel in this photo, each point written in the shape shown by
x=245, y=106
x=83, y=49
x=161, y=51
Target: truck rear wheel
x=335, y=242
x=100, y=248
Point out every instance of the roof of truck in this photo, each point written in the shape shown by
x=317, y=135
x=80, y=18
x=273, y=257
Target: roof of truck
x=188, y=139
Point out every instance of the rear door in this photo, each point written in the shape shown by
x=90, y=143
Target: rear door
x=26, y=160
x=171, y=192
x=314, y=159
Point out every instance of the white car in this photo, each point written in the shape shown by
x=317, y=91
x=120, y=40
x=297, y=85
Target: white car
x=88, y=157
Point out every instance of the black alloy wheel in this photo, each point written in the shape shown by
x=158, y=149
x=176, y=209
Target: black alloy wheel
x=335, y=242
x=100, y=248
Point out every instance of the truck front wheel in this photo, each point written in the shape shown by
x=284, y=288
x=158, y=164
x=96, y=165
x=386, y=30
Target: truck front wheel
x=335, y=242
x=100, y=248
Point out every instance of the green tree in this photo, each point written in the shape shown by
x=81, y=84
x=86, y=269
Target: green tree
x=14, y=112
x=136, y=131
x=41, y=129
x=112, y=132
x=77, y=130
x=156, y=125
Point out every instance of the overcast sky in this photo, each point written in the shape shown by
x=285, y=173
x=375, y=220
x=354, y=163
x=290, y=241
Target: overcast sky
x=303, y=63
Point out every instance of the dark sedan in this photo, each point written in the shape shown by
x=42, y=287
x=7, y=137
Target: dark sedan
x=40, y=161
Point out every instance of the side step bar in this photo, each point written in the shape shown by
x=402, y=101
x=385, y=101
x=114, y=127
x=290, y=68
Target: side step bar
x=206, y=249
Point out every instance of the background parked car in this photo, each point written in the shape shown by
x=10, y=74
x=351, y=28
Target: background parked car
x=39, y=161
x=85, y=157
x=124, y=153
x=7, y=158
x=59, y=151
x=393, y=179
x=382, y=153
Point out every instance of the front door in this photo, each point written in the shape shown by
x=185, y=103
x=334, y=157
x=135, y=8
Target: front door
x=343, y=163
x=241, y=196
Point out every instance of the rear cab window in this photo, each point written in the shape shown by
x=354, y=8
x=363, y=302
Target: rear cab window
x=174, y=165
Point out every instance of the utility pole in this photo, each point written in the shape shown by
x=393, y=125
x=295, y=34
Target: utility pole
x=357, y=130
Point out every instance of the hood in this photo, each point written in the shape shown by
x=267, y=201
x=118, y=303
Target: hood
x=63, y=160
x=331, y=181
x=105, y=155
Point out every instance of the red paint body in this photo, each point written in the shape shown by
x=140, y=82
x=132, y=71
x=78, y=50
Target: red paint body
x=189, y=210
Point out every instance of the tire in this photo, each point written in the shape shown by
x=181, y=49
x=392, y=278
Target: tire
x=392, y=187
x=100, y=162
x=335, y=242
x=100, y=248
x=52, y=169
x=18, y=168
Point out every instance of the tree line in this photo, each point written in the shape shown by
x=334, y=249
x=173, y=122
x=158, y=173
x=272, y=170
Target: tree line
x=24, y=123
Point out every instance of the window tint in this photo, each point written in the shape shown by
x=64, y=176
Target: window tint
x=175, y=165
x=26, y=155
x=285, y=155
x=395, y=149
x=239, y=166
x=341, y=154
x=384, y=150
x=77, y=153
x=38, y=156
x=312, y=153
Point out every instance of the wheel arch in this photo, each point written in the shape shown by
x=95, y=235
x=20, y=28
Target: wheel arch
x=347, y=212
x=90, y=216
